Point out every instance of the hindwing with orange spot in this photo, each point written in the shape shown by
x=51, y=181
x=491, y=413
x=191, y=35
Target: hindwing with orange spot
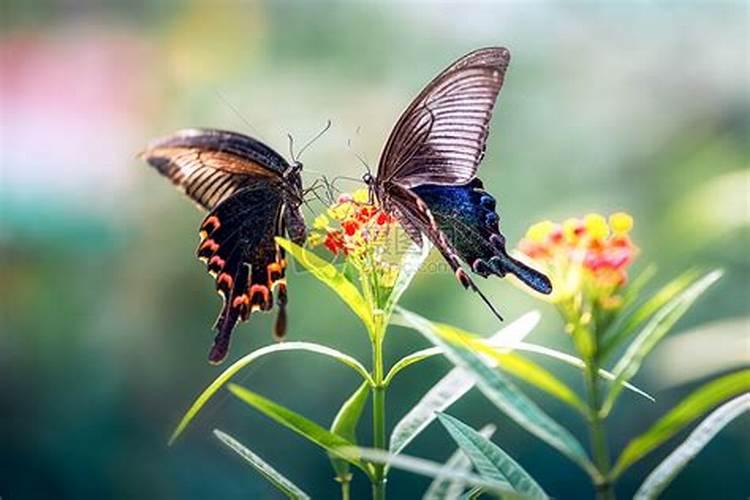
x=253, y=195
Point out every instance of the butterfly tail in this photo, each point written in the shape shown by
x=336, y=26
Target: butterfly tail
x=224, y=326
x=529, y=276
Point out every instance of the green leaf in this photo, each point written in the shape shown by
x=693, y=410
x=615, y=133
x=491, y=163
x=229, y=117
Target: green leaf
x=501, y=392
x=345, y=425
x=666, y=471
x=329, y=275
x=489, y=459
x=635, y=287
x=629, y=323
x=284, y=485
x=443, y=487
x=450, y=388
x=306, y=428
x=227, y=374
x=410, y=263
x=513, y=364
x=472, y=494
x=573, y=361
x=433, y=469
x=409, y=360
x=656, y=328
x=692, y=407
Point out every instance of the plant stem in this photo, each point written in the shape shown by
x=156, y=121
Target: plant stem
x=345, y=490
x=600, y=450
x=378, y=409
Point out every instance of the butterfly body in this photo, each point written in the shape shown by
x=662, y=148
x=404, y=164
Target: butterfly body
x=427, y=171
x=253, y=195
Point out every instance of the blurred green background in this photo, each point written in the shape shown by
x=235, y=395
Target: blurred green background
x=106, y=315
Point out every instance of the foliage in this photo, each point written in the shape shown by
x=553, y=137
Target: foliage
x=588, y=262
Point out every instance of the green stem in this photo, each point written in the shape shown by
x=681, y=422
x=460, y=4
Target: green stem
x=345, y=490
x=378, y=409
x=600, y=450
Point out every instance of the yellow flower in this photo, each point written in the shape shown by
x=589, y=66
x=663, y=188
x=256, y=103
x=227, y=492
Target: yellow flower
x=596, y=226
x=586, y=258
x=571, y=230
x=320, y=222
x=539, y=231
x=340, y=211
x=361, y=196
x=314, y=239
x=621, y=222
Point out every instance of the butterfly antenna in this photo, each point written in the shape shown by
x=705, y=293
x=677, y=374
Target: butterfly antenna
x=317, y=136
x=237, y=112
x=361, y=159
x=291, y=147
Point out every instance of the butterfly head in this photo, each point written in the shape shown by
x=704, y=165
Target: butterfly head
x=294, y=169
x=368, y=179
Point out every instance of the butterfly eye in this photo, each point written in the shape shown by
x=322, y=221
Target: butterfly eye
x=368, y=179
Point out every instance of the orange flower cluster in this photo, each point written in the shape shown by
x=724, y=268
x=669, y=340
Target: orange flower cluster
x=351, y=226
x=589, y=254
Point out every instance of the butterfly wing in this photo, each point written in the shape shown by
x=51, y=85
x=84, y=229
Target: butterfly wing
x=412, y=212
x=210, y=165
x=237, y=244
x=465, y=215
x=442, y=135
x=251, y=198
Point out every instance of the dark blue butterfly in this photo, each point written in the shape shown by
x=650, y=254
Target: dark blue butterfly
x=427, y=172
x=252, y=194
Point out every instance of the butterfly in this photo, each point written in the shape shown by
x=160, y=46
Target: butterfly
x=426, y=175
x=252, y=194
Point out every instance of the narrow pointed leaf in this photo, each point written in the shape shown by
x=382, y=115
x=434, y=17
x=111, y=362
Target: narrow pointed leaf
x=696, y=404
x=304, y=427
x=345, y=425
x=227, y=374
x=433, y=469
x=666, y=471
x=283, y=484
x=333, y=278
x=623, y=329
x=490, y=460
x=634, y=288
x=658, y=326
x=409, y=360
x=444, y=487
x=513, y=364
x=472, y=494
x=509, y=399
x=574, y=361
x=450, y=388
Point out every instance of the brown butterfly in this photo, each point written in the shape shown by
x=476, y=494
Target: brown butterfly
x=427, y=171
x=252, y=194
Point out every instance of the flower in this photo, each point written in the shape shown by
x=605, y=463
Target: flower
x=588, y=256
x=358, y=230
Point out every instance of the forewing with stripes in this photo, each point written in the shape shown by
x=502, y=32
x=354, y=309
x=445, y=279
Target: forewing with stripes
x=210, y=165
x=442, y=135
